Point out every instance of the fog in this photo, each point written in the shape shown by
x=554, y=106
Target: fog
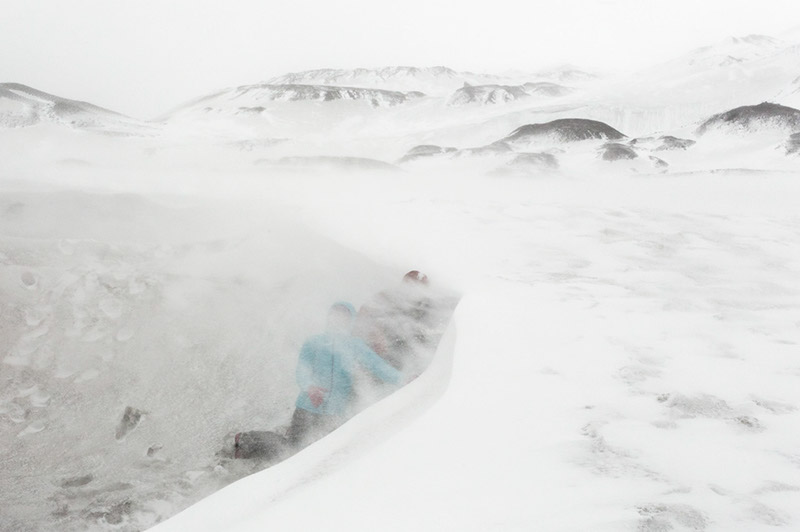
x=617, y=249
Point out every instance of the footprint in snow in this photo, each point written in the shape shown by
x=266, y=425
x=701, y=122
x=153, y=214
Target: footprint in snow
x=33, y=428
x=34, y=317
x=768, y=516
x=124, y=334
x=28, y=280
x=89, y=374
x=111, y=307
x=663, y=517
x=66, y=246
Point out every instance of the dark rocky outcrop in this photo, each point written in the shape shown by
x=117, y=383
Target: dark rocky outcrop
x=659, y=163
x=426, y=150
x=753, y=118
x=669, y=142
x=614, y=151
x=130, y=420
x=793, y=144
x=495, y=148
x=566, y=130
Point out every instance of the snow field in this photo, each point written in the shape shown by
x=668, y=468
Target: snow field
x=624, y=359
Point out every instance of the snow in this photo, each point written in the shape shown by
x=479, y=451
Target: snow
x=623, y=355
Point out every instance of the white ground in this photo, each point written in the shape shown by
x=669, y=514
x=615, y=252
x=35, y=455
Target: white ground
x=624, y=356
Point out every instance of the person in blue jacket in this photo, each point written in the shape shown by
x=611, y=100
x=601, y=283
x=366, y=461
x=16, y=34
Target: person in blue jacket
x=325, y=375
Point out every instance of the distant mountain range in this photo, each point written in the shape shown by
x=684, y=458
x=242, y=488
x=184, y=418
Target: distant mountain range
x=418, y=114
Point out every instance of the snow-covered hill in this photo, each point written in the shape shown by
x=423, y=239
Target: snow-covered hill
x=754, y=119
x=22, y=106
x=731, y=51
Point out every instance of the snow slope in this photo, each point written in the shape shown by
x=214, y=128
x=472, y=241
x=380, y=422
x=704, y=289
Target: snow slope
x=22, y=106
x=623, y=359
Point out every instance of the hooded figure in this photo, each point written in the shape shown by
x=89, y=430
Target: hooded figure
x=395, y=323
x=325, y=376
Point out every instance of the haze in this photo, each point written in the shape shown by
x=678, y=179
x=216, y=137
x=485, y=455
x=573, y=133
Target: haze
x=143, y=58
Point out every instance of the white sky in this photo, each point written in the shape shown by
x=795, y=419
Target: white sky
x=144, y=57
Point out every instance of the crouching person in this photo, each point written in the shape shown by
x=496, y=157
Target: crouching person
x=325, y=373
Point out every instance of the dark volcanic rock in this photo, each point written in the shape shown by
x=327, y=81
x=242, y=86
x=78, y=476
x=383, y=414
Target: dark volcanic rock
x=793, y=144
x=130, y=420
x=669, y=142
x=753, y=118
x=566, y=130
x=614, y=151
x=659, y=163
x=426, y=150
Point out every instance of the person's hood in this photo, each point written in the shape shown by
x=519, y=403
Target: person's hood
x=346, y=305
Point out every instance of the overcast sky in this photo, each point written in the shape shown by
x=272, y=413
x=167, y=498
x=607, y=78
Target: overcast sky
x=144, y=57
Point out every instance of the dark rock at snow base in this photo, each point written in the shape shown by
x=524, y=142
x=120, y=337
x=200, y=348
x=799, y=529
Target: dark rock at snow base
x=567, y=130
x=751, y=118
x=659, y=163
x=426, y=150
x=494, y=148
x=130, y=420
x=614, y=151
x=793, y=144
x=535, y=160
x=669, y=142
x=77, y=482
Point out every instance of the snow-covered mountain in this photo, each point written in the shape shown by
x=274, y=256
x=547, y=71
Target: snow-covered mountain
x=438, y=80
x=499, y=94
x=732, y=51
x=680, y=93
x=22, y=106
x=246, y=99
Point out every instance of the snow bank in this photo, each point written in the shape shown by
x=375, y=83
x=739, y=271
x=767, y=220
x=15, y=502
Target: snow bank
x=624, y=358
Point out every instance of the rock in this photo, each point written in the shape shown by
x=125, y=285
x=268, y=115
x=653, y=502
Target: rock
x=565, y=130
x=130, y=420
x=614, y=151
x=426, y=150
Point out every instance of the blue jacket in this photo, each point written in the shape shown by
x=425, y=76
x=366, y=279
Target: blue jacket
x=327, y=361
